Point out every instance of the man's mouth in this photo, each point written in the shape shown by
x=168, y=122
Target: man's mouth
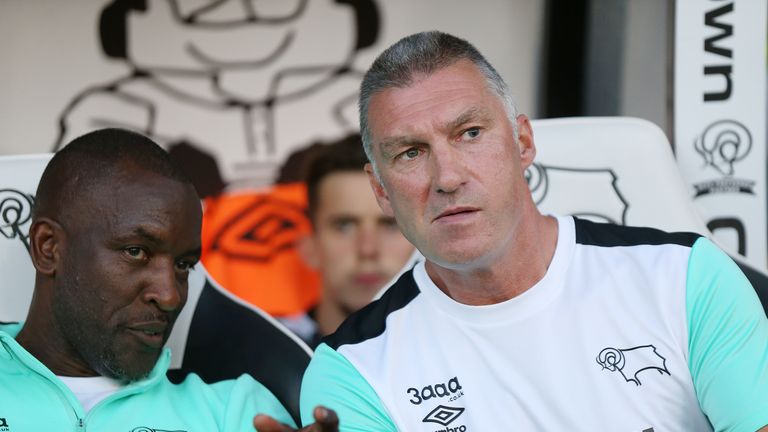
x=455, y=214
x=369, y=279
x=150, y=333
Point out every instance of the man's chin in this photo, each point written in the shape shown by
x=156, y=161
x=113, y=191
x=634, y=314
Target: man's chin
x=129, y=376
x=130, y=369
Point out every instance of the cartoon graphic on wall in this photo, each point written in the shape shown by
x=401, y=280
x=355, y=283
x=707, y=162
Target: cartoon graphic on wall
x=243, y=81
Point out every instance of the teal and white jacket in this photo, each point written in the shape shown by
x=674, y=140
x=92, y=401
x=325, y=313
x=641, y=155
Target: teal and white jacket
x=33, y=399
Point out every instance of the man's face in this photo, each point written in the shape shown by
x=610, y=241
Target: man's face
x=355, y=247
x=451, y=172
x=128, y=247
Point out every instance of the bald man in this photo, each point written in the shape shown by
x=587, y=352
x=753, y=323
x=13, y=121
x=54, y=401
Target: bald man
x=115, y=233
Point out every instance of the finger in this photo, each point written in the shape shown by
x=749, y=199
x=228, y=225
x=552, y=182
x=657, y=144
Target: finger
x=326, y=419
x=265, y=423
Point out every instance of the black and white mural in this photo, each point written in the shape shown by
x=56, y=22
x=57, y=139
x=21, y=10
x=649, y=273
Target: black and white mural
x=230, y=87
x=247, y=67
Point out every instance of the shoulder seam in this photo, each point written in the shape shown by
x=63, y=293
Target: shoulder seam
x=609, y=235
x=370, y=321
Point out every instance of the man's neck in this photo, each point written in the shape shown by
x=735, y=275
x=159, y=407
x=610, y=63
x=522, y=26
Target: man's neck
x=49, y=347
x=520, y=267
x=329, y=316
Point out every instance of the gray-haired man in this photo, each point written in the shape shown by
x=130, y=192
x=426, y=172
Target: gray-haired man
x=518, y=320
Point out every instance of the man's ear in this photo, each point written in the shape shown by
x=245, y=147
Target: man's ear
x=307, y=248
x=525, y=141
x=44, y=244
x=378, y=191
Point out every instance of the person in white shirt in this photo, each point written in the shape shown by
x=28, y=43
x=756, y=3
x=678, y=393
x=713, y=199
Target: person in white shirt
x=518, y=320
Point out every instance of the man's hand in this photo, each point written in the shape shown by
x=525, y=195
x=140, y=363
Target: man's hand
x=325, y=421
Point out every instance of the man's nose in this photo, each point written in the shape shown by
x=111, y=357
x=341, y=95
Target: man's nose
x=448, y=170
x=165, y=286
x=368, y=242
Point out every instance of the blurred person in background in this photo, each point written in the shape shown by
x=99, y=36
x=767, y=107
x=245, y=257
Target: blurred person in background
x=354, y=246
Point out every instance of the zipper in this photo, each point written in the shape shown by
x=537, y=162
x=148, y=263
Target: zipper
x=36, y=367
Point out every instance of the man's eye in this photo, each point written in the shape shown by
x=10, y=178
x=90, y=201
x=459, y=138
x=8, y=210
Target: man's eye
x=184, y=265
x=136, y=253
x=344, y=226
x=472, y=132
x=410, y=154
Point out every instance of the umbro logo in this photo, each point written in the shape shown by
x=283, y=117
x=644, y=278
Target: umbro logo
x=445, y=415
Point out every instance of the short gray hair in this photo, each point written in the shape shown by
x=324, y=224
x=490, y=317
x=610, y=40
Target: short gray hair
x=423, y=54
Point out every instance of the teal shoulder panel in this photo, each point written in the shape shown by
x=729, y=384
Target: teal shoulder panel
x=332, y=381
x=727, y=341
x=246, y=397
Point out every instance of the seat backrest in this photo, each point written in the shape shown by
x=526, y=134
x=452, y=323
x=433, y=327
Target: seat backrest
x=620, y=170
x=19, y=176
x=216, y=336
x=614, y=169
x=219, y=336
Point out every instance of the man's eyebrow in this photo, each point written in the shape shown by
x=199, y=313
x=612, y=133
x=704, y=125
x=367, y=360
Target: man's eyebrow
x=342, y=217
x=196, y=252
x=154, y=240
x=390, y=145
x=468, y=116
x=143, y=234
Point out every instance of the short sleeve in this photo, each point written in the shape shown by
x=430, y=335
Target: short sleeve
x=728, y=341
x=246, y=397
x=331, y=381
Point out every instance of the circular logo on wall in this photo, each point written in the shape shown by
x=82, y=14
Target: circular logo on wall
x=721, y=145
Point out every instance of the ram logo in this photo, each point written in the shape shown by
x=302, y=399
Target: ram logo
x=631, y=361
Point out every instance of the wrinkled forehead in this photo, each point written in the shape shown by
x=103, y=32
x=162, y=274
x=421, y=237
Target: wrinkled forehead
x=441, y=98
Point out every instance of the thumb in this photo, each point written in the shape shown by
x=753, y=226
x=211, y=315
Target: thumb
x=327, y=420
x=265, y=423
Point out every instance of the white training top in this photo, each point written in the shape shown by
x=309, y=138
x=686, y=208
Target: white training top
x=631, y=329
